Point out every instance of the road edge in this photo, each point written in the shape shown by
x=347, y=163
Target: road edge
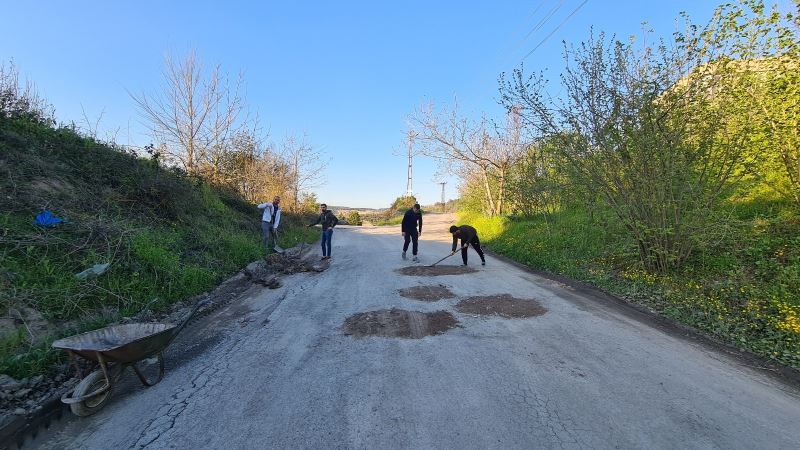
x=15, y=433
x=788, y=376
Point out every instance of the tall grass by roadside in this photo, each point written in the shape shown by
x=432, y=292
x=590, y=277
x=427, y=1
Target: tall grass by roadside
x=166, y=237
x=743, y=289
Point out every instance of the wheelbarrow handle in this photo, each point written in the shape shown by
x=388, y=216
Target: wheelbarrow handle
x=185, y=322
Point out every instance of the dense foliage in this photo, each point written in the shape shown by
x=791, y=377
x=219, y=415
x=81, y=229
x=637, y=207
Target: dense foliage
x=667, y=174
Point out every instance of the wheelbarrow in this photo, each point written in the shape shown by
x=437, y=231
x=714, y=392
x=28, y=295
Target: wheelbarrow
x=115, y=348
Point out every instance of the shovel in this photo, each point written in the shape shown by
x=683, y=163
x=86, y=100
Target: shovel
x=437, y=262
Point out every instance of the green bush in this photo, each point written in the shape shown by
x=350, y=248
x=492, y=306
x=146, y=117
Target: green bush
x=354, y=218
x=401, y=205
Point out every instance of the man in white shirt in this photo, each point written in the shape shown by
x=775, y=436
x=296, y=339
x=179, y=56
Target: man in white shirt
x=270, y=220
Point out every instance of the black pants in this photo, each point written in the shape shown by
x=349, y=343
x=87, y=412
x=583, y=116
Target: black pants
x=413, y=237
x=476, y=244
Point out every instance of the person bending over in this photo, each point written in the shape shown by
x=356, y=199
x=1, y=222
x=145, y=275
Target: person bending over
x=468, y=236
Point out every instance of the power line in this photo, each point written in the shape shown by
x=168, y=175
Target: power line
x=541, y=23
x=530, y=17
x=538, y=25
x=544, y=20
x=556, y=28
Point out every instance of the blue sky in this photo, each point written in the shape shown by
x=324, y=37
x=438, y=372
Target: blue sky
x=345, y=73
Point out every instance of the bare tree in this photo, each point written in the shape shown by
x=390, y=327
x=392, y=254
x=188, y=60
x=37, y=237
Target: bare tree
x=471, y=148
x=194, y=113
x=306, y=165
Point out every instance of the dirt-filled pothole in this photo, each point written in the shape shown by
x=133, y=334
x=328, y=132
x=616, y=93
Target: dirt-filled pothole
x=427, y=293
x=503, y=305
x=428, y=271
x=399, y=323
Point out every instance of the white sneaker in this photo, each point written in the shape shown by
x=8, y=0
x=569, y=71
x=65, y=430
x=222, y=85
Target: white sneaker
x=415, y=259
x=404, y=255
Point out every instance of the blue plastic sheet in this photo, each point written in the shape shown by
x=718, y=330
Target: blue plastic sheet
x=47, y=219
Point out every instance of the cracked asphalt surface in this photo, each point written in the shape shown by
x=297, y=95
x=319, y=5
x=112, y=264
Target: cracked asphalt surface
x=280, y=373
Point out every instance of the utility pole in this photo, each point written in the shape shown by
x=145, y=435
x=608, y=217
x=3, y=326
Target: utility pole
x=443, y=203
x=409, y=187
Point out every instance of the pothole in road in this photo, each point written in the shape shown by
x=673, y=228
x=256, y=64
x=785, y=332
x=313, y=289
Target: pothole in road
x=428, y=271
x=427, y=293
x=399, y=323
x=503, y=305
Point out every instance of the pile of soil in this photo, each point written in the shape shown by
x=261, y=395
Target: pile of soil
x=293, y=260
x=428, y=271
x=503, y=305
x=427, y=293
x=399, y=323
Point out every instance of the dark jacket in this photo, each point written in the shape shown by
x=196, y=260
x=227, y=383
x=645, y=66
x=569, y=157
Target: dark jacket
x=466, y=233
x=327, y=219
x=410, y=220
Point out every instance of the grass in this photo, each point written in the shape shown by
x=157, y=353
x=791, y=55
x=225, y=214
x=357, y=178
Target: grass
x=382, y=220
x=743, y=289
x=167, y=237
x=394, y=220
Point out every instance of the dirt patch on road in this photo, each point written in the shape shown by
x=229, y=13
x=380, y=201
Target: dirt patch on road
x=427, y=293
x=428, y=271
x=503, y=305
x=399, y=323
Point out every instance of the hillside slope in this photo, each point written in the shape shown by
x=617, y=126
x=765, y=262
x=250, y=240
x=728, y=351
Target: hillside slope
x=166, y=237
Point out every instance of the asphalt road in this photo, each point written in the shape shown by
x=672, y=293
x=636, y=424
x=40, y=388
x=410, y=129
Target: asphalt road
x=281, y=373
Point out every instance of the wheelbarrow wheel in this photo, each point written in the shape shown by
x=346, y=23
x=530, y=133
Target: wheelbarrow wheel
x=89, y=384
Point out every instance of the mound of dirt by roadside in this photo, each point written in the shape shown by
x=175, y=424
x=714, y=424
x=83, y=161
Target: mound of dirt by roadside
x=427, y=293
x=399, y=323
x=428, y=271
x=293, y=260
x=503, y=305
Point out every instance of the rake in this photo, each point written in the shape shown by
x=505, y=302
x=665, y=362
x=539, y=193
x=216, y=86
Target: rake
x=451, y=254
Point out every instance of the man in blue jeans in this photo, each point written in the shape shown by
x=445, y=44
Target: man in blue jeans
x=328, y=221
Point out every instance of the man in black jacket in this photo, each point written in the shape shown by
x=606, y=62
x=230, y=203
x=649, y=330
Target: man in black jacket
x=409, y=230
x=468, y=236
x=328, y=221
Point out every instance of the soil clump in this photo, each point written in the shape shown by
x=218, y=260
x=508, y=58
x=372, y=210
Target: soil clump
x=428, y=271
x=427, y=293
x=503, y=305
x=399, y=323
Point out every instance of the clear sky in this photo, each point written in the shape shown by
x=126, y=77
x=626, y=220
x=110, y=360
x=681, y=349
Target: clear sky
x=345, y=73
